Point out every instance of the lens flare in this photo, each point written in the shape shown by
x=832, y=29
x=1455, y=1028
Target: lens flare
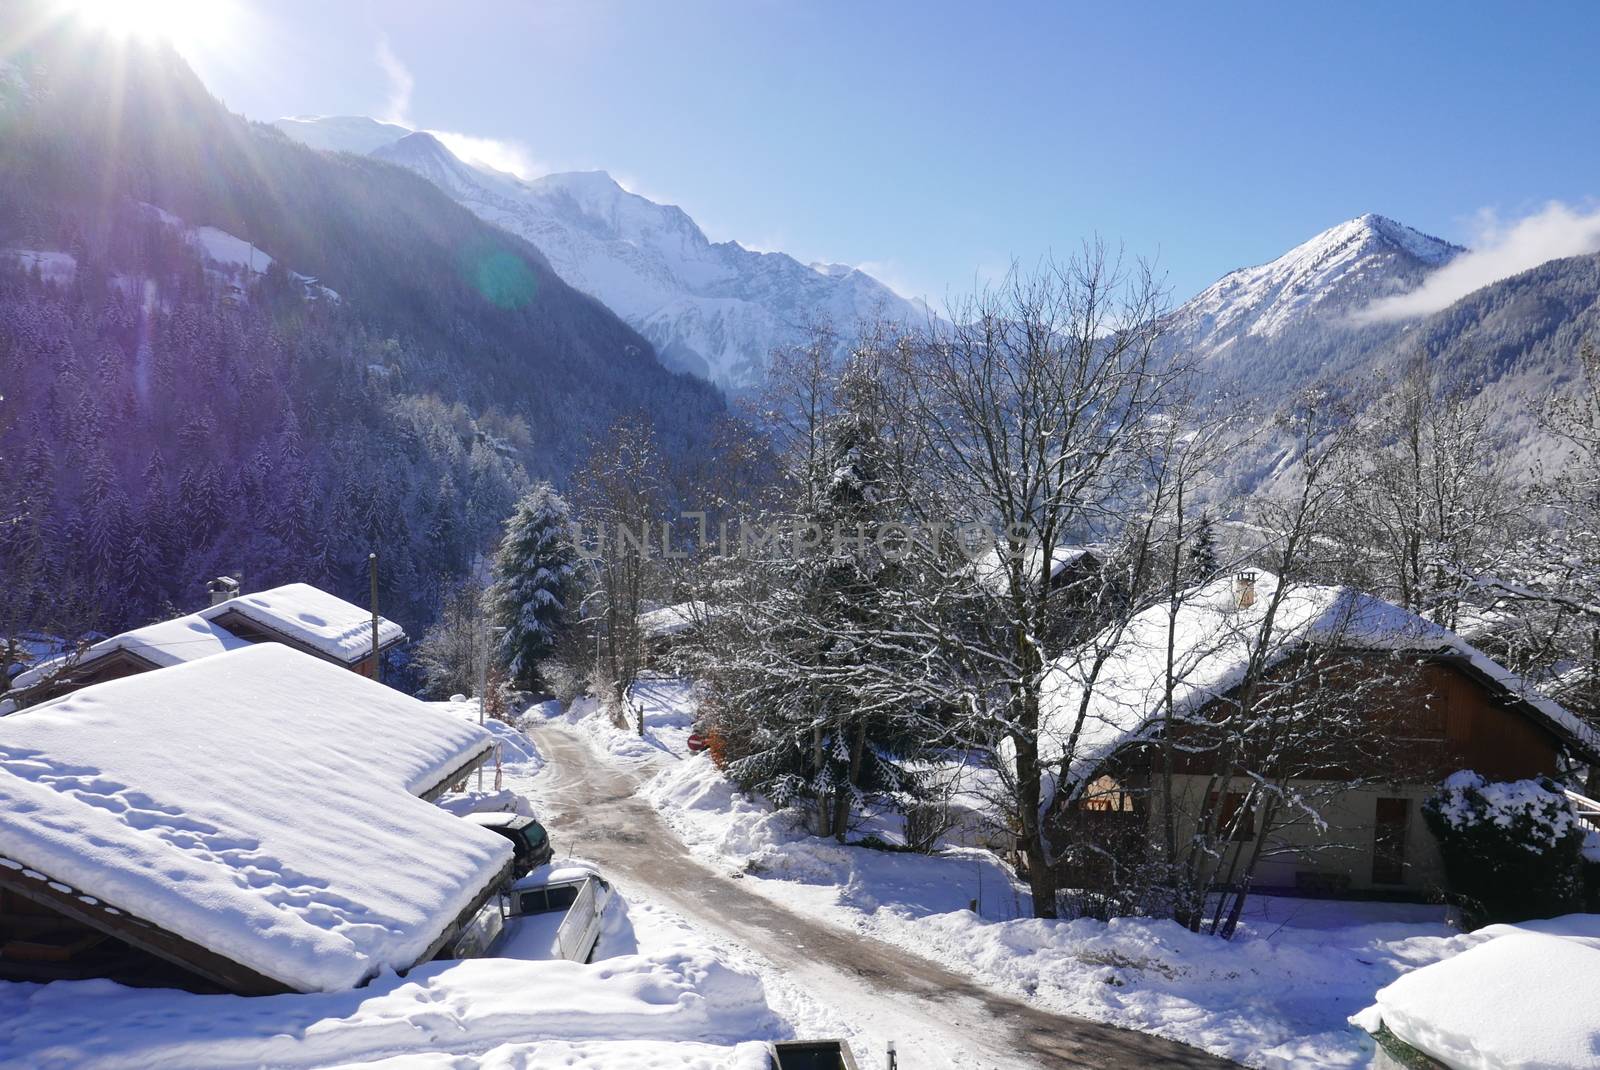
x=187, y=24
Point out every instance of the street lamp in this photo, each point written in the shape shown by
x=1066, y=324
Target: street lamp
x=483, y=685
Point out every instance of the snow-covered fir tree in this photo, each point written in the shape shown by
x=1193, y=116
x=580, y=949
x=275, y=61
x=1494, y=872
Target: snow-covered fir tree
x=533, y=583
x=797, y=677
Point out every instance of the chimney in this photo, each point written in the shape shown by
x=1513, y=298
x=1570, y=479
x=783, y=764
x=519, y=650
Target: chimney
x=1244, y=590
x=222, y=588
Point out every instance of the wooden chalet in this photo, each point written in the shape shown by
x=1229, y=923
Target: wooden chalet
x=1424, y=702
x=251, y=822
x=296, y=615
x=310, y=620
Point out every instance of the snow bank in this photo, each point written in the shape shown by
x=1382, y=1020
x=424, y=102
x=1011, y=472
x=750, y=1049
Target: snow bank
x=594, y=1055
x=259, y=802
x=1275, y=996
x=1524, y=999
x=169, y=642
x=666, y=999
x=515, y=746
x=309, y=615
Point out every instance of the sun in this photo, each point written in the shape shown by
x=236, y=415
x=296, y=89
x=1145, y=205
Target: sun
x=187, y=24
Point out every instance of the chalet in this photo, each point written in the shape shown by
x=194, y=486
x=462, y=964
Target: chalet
x=296, y=615
x=1430, y=702
x=663, y=629
x=256, y=821
x=1072, y=567
x=310, y=620
x=155, y=646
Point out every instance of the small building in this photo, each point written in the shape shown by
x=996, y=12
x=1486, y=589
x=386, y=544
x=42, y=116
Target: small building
x=155, y=646
x=256, y=821
x=310, y=620
x=297, y=615
x=1429, y=703
x=663, y=629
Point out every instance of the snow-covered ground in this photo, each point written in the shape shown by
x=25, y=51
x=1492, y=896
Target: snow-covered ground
x=654, y=1000
x=1278, y=995
x=660, y=994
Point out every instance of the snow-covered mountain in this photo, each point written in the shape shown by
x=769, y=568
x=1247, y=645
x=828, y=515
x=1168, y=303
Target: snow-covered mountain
x=1294, y=319
x=713, y=308
x=341, y=133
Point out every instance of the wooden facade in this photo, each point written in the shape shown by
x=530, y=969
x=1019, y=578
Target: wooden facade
x=256, y=632
x=113, y=665
x=1424, y=716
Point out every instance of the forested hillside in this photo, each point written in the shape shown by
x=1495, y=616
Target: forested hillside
x=388, y=383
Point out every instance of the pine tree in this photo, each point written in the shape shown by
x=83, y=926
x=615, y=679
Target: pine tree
x=533, y=583
x=1202, y=558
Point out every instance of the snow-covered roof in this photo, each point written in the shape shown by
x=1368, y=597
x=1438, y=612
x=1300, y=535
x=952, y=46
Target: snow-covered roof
x=169, y=642
x=309, y=615
x=1212, y=641
x=993, y=572
x=672, y=620
x=260, y=803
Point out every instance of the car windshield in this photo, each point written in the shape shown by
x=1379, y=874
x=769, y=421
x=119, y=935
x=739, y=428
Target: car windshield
x=533, y=836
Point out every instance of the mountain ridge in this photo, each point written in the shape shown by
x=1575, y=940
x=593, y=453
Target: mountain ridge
x=716, y=309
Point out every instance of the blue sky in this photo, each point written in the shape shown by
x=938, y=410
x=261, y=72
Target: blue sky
x=933, y=142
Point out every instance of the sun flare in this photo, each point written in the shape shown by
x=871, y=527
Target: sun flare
x=186, y=24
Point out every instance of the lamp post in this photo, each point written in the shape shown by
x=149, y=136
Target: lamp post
x=483, y=685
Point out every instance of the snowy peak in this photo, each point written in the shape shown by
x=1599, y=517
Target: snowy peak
x=613, y=211
x=426, y=155
x=341, y=133
x=715, y=309
x=1321, y=280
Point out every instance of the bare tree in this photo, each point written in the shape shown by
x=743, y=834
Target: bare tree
x=1029, y=416
x=620, y=498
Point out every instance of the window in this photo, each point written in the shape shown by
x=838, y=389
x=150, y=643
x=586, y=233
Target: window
x=546, y=900
x=1228, y=811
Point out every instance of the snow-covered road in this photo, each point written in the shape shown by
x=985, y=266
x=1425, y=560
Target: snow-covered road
x=936, y=1017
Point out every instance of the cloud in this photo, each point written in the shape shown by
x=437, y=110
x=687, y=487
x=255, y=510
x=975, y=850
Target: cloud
x=398, y=108
x=495, y=153
x=1502, y=250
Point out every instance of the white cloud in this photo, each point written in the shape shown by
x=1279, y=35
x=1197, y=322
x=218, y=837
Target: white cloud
x=398, y=108
x=491, y=152
x=1502, y=250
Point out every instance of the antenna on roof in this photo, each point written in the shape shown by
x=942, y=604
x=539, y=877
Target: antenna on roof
x=377, y=662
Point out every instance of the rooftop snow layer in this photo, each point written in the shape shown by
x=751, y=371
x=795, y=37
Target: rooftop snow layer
x=261, y=802
x=325, y=622
x=1212, y=641
x=169, y=642
x=673, y=619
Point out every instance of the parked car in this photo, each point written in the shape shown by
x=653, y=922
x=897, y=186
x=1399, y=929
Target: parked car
x=565, y=902
x=528, y=838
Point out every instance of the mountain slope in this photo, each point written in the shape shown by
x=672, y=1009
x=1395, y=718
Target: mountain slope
x=220, y=349
x=1282, y=324
x=713, y=308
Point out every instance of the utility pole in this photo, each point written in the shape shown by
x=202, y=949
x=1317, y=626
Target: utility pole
x=377, y=663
